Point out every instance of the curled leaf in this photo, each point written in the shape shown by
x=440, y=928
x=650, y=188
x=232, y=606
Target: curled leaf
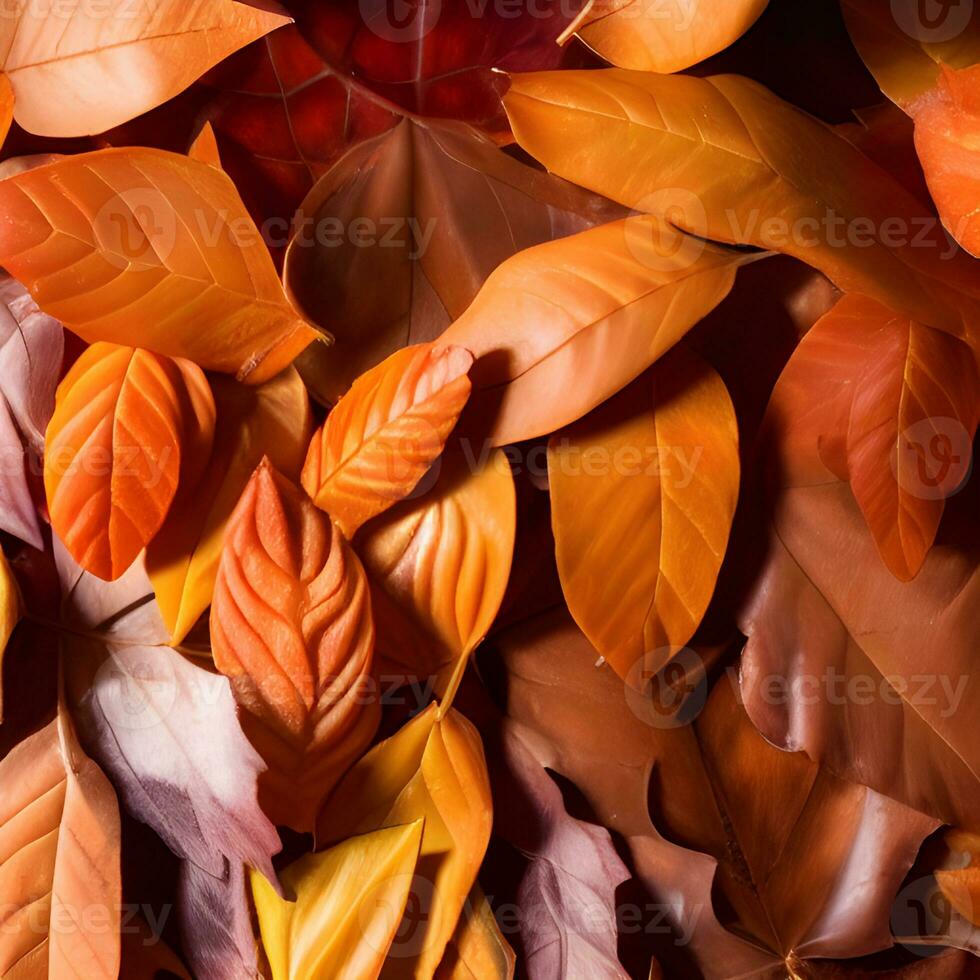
x=384, y=434
x=291, y=627
x=152, y=239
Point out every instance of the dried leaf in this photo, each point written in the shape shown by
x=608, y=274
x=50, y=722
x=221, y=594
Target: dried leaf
x=643, y=494
x=112, y=460
x=477, y=950
x=59, y=861
x=423, y=213
x=253, y=421
x=439, y=565
x=291, y=627
x=384, y=434
x=724, y=158
x=559, y=328
x=83, y=68
x=650, y=36
x=152, y=239
x=205, y=147
x=433, y=768
x=344, y=908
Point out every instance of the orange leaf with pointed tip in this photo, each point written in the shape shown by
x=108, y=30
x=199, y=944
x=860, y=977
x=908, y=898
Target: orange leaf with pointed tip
x=85, y=67
x=477, y=950
x=895, y=405
x=439, y=564
x=383, y=435
x=134, y=244
x=59, y=861
x=652, y=36
x=432, y=768
x=205, y=147
x=291, y=628
x=114, y=450
x=643, y=493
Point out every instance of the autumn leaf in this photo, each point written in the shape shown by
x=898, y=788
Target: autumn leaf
x=85, y=69
x=291, y=627
x=6, y=105
x=961, y=885
x=727, y=160
x=883, y=413
x=10, y=610
x=559, y=328
x=113, y=450
x=433, y=769
x=477, y=949
x=439, y=564
x=205, y=147
x=384, y=434
x=59, y=828
x=643, y=493
x=271, y=420
x=399, y=211
x=648, y=36
x=152, y=238
x=343, y=909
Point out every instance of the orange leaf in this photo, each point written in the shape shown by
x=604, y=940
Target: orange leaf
x=383, y=435
x=6, y=106
x=961, y=883
x=291, y=627
x=893, y=406
x=86, y=67
x=205, y=147
x=643, y=494
x=137, y=245
x=477, y=950
x=439, y=565
x=59, y=861
x=114, y=449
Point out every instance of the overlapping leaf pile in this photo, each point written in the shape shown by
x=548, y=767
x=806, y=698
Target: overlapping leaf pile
x=486, y=490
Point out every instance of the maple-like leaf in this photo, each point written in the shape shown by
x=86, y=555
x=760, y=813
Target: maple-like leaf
x=344, y=908
x=291, y=627
x=643, y=493
x=155, y=239
x=83, y=68
x=433, y=768
x=424, y=214
x=651, y=36
x=384, y=434
x=123, y=419
x=724, y=158
x=253, y=421
x=559, y=328
x=59, y=860
x=438, y=565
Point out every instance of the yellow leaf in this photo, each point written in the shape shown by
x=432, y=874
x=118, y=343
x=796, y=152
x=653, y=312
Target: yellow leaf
x=86, y=67
x=724, y=158
x=268, y=420
x=643, y=493
x=133, y=245
x=384, y=434
x=342, y=909
x=9, y=614
x=439, y=565
x=432, y=769
x=652, y=36
x=559, y=328
x=478, y=950
x=114, y=450
x=59, y=861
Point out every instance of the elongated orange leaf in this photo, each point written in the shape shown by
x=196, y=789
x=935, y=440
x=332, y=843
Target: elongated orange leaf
x=560, y=327
x=650, y=35
x=60, y=888
x=113, y=450
x=9, y=614
x=291, y=627
x=383, y=435
x=896, y=411
x=433, y=768
x=141, y=246
x=345, y=907
x=726, y=159
x=438, y=565
x=478, y=950
x=6, y=106
x=643, y=493
x=87, y=67
x=272, y=419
